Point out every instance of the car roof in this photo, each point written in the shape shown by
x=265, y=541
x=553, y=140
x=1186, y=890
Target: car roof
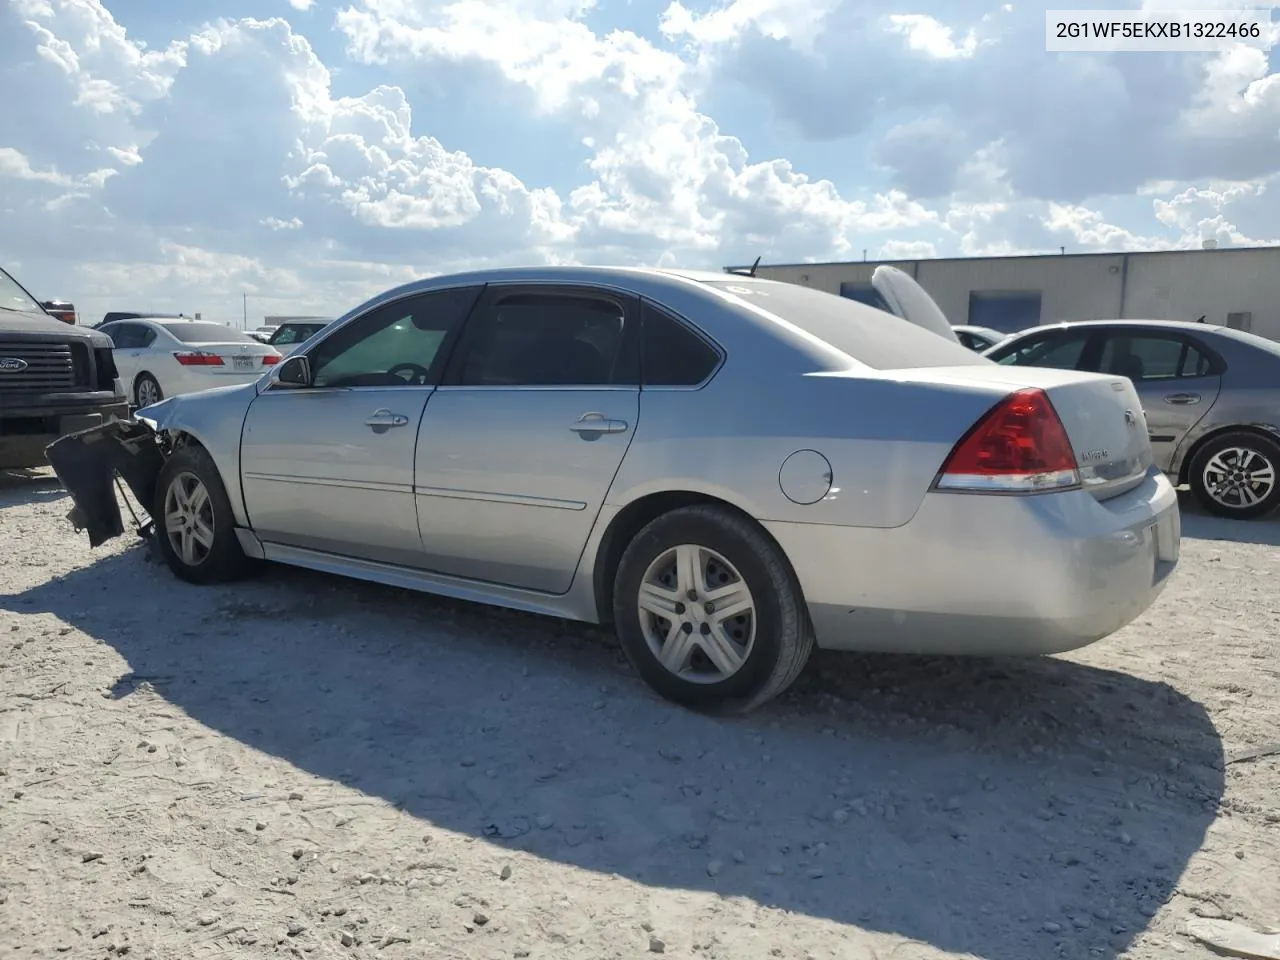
x=1186, y=325
x=117, y=315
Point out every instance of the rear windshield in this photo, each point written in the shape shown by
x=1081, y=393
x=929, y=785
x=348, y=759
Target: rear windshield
x=295, y=333
x=1250, y=339
x=194, y=331
x=881, y=340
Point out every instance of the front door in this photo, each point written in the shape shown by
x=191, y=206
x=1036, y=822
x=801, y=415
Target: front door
x=521, y=443
x=330, y=466
x=1176, y=378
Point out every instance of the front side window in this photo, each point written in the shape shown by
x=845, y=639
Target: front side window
x=125, y=336
x=395, y=345
x=1062, y=351
x=1143, y=356
x=545, y=339
x=291, y=333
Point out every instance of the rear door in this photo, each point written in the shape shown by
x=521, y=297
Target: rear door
x=1176, y=375
x=521, y=442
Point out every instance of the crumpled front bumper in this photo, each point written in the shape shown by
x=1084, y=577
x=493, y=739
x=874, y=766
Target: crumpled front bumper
x=87, y=463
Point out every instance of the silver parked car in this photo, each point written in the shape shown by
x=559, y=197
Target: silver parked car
x=729, y=469
x=1211, y=396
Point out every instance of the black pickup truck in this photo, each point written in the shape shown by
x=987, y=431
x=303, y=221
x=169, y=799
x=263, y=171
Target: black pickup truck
x=55, y=378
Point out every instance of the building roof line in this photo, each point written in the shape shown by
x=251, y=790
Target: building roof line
x=1016, y=256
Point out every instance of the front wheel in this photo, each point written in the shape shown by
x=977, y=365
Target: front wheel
x=1235, y=475
x=195, y=529
x=708, y=611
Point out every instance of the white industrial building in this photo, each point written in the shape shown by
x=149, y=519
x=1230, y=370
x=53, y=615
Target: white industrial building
x=1238, y=286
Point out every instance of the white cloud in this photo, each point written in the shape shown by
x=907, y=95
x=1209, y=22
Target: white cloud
x=926, y=35
x=303, y=5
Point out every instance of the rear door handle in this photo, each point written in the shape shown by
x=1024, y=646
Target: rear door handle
x=596, y=423
x=1182, y=399
x=385, y=419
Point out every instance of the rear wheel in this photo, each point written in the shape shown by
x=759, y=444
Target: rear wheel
x=708, y=611
x=195, y=529
x=146, y=390
x=1237, y=475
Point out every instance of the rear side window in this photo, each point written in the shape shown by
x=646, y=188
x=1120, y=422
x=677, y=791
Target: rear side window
x=672, y=355
x=195, y=331
x=1146, y=357
x=1060, y=350
x=538, y=339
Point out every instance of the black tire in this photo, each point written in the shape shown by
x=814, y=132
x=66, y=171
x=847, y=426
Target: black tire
x=1254, y=444
x=224, y=560
x=783, y=635
x=138, y=381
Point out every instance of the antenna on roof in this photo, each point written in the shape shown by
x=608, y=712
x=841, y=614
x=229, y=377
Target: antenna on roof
x=752, y=271
x=1202, y=316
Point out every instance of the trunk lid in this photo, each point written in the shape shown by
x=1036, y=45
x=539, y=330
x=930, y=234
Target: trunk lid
x=1101, y=414
x=908, y=300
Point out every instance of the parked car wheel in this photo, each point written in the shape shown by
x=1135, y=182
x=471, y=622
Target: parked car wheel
x=146, y=390
x=195, y=528
x=708, y=610
x=1237, y=475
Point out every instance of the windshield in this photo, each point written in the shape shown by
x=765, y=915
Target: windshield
x=882, y=341
x=13, y=297
x=194, y=331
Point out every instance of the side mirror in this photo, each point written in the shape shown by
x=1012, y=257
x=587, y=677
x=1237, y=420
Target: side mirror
x=296, y=371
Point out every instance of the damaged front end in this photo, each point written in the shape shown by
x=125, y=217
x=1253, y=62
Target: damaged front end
x=89, y=463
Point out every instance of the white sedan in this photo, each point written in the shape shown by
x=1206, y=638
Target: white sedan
x=160, y=358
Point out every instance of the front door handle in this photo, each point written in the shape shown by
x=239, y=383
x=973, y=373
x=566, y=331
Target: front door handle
x=1182, y=399
x=593, y=424
x=384, y=419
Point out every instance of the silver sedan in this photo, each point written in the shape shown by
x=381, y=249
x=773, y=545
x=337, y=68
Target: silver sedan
x=1211, y=396
x=729, y=469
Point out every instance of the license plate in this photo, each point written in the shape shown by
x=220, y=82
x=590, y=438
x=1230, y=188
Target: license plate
x=243, y=363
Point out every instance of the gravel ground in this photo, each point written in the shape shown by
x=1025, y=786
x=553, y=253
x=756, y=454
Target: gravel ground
x=311, y=766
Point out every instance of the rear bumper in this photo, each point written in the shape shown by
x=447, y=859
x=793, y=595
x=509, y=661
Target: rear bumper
x=25, y=432
x=989, y=575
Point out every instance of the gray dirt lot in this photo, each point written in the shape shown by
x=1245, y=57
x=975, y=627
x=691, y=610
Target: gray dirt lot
x=309, y=766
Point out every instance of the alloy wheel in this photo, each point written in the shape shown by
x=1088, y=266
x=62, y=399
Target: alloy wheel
x=188, y=518
x=148, y=392
x=1239, y=478
x=697, y=614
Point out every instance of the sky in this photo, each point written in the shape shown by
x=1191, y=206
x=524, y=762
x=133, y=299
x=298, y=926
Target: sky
x=299, y=156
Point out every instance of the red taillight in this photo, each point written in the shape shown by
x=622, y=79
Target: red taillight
x=270, y=359
x=1020, y=446
x=198, y=358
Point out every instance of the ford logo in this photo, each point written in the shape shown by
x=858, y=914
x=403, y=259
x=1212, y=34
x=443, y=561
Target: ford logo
x=12, y=364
